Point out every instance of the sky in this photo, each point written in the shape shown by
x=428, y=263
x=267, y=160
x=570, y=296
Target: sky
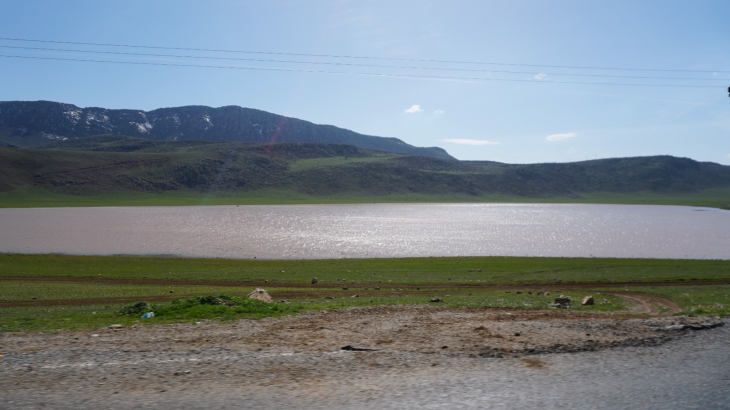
x=483, y=79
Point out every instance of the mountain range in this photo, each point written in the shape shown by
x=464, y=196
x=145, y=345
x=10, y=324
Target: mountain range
x=49, y=148
x=38, y=123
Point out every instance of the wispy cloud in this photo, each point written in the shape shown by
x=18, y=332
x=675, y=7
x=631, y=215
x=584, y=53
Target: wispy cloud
x=540, y=76
x=439, y=111
x=470, y=142
x=560, y=137
x=414, y=109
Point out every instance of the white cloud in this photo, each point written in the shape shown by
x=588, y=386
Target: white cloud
x=470, y=142
x=560, y=137
x=414, y=109
x=540, y=76
x=439, y=111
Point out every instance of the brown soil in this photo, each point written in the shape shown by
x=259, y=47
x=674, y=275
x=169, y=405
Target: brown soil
x=409, y=328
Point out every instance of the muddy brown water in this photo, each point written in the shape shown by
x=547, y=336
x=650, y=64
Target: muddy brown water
x=372, y=231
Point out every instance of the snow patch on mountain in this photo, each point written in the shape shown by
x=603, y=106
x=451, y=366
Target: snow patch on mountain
x=208, y=123
x=143, y=127
x=96, y=117
x=53, y=137
x=73, y=114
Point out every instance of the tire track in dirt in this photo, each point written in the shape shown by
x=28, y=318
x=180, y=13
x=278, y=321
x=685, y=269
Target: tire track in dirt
x=647, y=304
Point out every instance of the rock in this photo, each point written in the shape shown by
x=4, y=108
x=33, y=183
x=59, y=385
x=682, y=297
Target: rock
x=355, y=296
x=588, y=300
x=606, y=301
x=436, y=300
x=518, y=293
x=314, y=280
x=673, y=328
x=345, y=288
x=540, y=293
x=285, y=302
x=329, y=297
x=357, y=349
x=261, y=295
x=563, y=300
x=705, y=325
x=115, y=327
x=547, y=293
x=172, y=291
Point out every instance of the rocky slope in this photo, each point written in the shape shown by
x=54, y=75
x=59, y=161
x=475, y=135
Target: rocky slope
x=37, y=123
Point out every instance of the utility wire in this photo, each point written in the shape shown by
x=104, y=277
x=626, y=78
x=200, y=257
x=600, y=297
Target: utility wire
x=358, y=57
x=357, y=73
x=357, y=65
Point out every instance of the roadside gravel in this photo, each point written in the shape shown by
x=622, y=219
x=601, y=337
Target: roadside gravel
x=298, y=361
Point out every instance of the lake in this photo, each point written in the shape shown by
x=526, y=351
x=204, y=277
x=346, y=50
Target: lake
x=372, y=231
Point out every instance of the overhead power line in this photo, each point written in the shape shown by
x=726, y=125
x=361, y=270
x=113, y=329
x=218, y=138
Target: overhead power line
x=432, y=77
x=355, y=64
x=362, y=57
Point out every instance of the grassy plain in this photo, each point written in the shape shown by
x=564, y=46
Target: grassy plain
x=375, y=272
x=36, y=197
x=49, y=292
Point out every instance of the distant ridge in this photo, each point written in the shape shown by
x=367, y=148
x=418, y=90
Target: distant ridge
x=93, y=168
x=38, y=123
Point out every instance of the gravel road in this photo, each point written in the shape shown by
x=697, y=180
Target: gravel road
x=426, y=358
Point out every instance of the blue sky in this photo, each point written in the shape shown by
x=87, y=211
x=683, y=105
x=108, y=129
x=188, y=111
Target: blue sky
x=526, y=121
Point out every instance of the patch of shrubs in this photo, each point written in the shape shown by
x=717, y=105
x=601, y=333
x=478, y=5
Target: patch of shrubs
x=212, y=306
x=135, y=308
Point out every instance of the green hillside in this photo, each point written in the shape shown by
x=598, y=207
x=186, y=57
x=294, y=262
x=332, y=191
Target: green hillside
x=115, y=170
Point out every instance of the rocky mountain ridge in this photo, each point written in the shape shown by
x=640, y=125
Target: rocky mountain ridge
x=37, y=123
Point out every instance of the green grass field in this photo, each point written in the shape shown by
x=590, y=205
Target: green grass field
x=396, y=271
x=50, y=292
x=35, y=197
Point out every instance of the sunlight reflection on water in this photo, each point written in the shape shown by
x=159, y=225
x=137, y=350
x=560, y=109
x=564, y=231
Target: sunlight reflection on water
x=372, y=230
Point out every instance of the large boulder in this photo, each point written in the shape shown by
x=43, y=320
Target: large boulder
x=260, y=294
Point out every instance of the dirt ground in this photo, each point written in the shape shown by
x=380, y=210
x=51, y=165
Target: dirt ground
x=408, y=328
x=279, y=362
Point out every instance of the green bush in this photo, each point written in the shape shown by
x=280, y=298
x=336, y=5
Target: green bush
x=135, y=309
x=204, y=307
